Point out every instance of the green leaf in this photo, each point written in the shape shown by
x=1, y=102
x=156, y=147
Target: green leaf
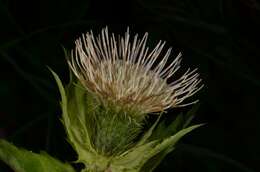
x=166, y=146
x=181, y=121
x=21, y=160
x=144, y=156
x=152, y=163
x=74, y=121
x=190, y=115
x=163, y=131
x=149, y=132
x=172, y=140
x=133, y=158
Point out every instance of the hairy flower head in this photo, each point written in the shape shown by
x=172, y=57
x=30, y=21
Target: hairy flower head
x=127, y=74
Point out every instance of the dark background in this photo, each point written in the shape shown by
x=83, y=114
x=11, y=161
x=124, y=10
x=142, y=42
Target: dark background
x=220, y=37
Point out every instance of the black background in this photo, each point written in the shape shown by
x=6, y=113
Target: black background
x=220, y=37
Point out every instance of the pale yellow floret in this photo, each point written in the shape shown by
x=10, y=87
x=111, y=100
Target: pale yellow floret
x=129, y=75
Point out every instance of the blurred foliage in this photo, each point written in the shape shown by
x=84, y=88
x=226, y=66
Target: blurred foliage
x=27, y=161
x=219, y=37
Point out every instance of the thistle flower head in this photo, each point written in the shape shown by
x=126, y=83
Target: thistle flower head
x=127, y=74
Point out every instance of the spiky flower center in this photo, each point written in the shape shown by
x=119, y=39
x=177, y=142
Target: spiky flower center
x=127, y=75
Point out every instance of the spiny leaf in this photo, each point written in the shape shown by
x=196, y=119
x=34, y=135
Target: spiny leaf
x=190, y=115
x=149, y=132
x=135, y=157
x=76, y=130
x=163, y=131
x=152, y=163
x=181, y=121
x=21, y=160
x=172, y=140
x=138, y=156
x=166, y=146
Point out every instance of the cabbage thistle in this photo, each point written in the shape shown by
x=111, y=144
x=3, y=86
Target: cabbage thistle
x=116, y=83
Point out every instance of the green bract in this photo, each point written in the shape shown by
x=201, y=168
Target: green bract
x=106, y=139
